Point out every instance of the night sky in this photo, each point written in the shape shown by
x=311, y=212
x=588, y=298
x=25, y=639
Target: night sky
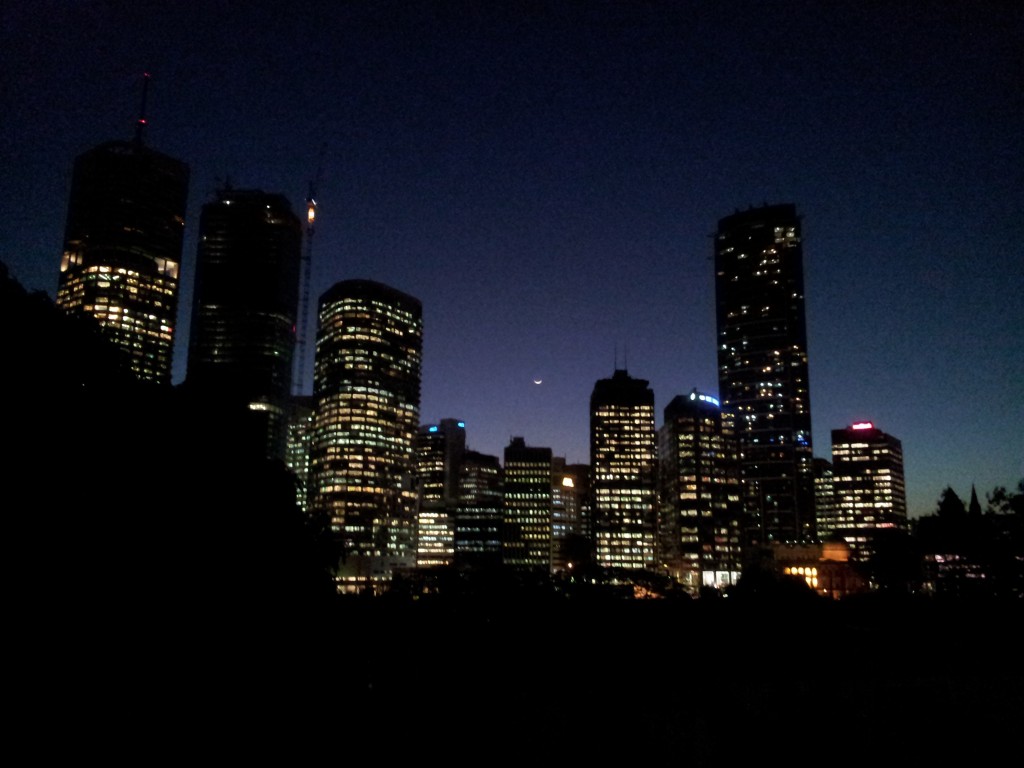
x=546, y=177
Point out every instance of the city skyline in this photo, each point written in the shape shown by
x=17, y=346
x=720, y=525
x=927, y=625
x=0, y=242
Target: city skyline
x=545, y=178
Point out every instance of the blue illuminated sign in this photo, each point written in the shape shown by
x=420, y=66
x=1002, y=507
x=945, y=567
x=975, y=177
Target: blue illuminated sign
x=704, y=398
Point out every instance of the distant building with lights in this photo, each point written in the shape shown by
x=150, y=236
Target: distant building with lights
x=459, y=500
x=868, y=486
x=121, y=263
x=526, y=526
x=369, y=350
x=824, y=497
x=568, y=507
x=824, y=567
x=478, y=520
x=581, y=475
x=439, y=452
x=299, y=440
x=623, y=460
x=700, y=507
x=762, y=368
x=245, y=307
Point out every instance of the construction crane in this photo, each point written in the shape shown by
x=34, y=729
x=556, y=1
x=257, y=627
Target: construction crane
x=305, y=277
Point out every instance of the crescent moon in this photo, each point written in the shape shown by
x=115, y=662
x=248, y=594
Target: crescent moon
x=538, y=381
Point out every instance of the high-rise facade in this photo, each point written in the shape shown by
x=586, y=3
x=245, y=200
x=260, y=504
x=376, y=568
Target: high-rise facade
x=478, y=521
x=367, y=389
x=824, y=497
x=245, y=306
x=526, y=527
x=623, y=461
x=122, y=250
x=762, y=368
x=299, y=440
x=581, y=475
x=700, y=504
x=439, y=451
x=568, y=507
x=868, y=487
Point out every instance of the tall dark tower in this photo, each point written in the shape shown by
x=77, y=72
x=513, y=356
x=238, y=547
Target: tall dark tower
x=762, y=368
x=369, y=348
x=245, y=307
x=478, y=523
x=122, y=249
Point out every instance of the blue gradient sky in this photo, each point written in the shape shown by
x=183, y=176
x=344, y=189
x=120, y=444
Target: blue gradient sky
x=545, y=177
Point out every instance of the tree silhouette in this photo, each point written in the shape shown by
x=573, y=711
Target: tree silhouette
x=1003, y=502
x=950, y=505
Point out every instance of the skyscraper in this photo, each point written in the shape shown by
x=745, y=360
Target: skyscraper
x=623, y=461
x=245, y=306
x=762, y=367
x=367, y=388
x=301, y=422
x=581, y=474
x=439, y=451
x=867, y=480
x=122, y=250
x=568, y=507
x=479, y=517
x=700, y=504
x=824, y=497
x=526, y=537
